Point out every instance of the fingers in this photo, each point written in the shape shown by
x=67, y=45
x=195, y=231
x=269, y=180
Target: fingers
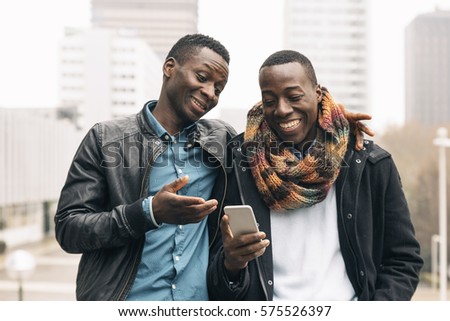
x=239, y=240
x=239, y=250
x=191, y=213
x=237, y=254
x=359, y=134
x=358, y=127
x=250, y=251
x=176, y=185
x=169, y=207
x=359, y=116
x=363, y=127
x=183, y=201
x=255, y=252
x=359, y=141
x=225, y=228
x=195, y=213
x=355, y=117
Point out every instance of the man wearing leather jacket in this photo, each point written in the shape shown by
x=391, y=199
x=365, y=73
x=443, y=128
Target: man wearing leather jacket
x=137, y=196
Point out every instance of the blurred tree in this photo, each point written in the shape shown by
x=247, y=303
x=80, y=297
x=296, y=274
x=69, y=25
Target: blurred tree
x=417, y=160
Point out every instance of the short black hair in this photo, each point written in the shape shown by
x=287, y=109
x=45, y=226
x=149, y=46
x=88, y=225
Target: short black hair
x=191, y=44
x=287, y=56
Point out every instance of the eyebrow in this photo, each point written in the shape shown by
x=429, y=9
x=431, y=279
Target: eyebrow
x=285, y=89
x=294, y=87
x=217, y=66
x=210, y=64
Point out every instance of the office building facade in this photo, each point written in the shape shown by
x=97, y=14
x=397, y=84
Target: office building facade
x=159, y=22
x=105, y=74
x=334, y=35
x=427, y=69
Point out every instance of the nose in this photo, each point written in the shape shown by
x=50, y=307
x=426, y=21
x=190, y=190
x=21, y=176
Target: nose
x=209, y=91
x=283, y=108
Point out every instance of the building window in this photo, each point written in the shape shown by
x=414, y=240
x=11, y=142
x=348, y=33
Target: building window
x=18, y=215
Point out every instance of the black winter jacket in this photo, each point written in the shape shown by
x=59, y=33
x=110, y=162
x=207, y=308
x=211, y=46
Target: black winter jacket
x=100, y=211
x=376, y=235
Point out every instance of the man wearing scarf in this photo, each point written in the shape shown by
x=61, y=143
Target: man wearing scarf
x=334, y=222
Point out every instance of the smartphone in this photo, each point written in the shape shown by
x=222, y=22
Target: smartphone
x=242, y=219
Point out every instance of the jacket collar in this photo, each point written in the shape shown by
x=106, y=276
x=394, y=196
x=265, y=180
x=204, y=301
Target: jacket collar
x=206, y=133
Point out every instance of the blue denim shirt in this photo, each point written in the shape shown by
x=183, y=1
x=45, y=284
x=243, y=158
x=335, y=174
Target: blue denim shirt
x=175, y=257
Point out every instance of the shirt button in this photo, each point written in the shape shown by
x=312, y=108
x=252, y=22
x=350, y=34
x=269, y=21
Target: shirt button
x=270, y=282
x=177, y=258
x=166, y=137
x=174, y=286
x=361, y=273
x=358, y=161
x=349, y=216
x=180, y=171
x=180, y=227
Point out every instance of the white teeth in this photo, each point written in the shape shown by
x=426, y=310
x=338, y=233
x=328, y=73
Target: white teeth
x=198, y=103
x=290, y=124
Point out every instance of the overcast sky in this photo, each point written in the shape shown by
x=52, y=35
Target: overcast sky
x=250, y=29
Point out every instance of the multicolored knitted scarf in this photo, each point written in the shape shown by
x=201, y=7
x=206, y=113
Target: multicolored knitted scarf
x=284, y=181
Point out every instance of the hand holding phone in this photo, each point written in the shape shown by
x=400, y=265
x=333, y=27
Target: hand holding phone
x=241, y=219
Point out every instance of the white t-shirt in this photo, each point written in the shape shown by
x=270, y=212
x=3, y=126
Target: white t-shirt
x=308, y=263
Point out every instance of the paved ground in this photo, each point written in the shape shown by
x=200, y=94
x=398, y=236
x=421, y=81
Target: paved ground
x=55, y=274
x=52, y=280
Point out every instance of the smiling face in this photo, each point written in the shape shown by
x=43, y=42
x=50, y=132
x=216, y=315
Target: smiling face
x=290, y=102
x=191, y=89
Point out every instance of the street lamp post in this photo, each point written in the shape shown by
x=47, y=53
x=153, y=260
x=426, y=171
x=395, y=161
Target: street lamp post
x=442, y=142
x=20, y=264
x=434, y=261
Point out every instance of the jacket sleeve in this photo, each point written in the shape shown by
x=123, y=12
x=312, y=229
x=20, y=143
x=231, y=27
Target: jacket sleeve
x=398, y=273
x=83, y=221
x=219, y=286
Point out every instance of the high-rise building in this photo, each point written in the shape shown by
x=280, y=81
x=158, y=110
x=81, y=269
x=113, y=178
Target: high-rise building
x=160, y=22
x=104, y=74
x=427, y=69
x=334, y=36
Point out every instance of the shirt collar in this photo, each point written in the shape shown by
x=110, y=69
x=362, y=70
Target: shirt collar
x=160, y=131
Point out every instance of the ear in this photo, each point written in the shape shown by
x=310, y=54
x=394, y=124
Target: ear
x=318, y=94
x=169, y=66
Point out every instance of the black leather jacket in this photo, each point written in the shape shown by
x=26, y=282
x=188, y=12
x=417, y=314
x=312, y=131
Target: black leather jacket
x=376, y=236
x=100, y=211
